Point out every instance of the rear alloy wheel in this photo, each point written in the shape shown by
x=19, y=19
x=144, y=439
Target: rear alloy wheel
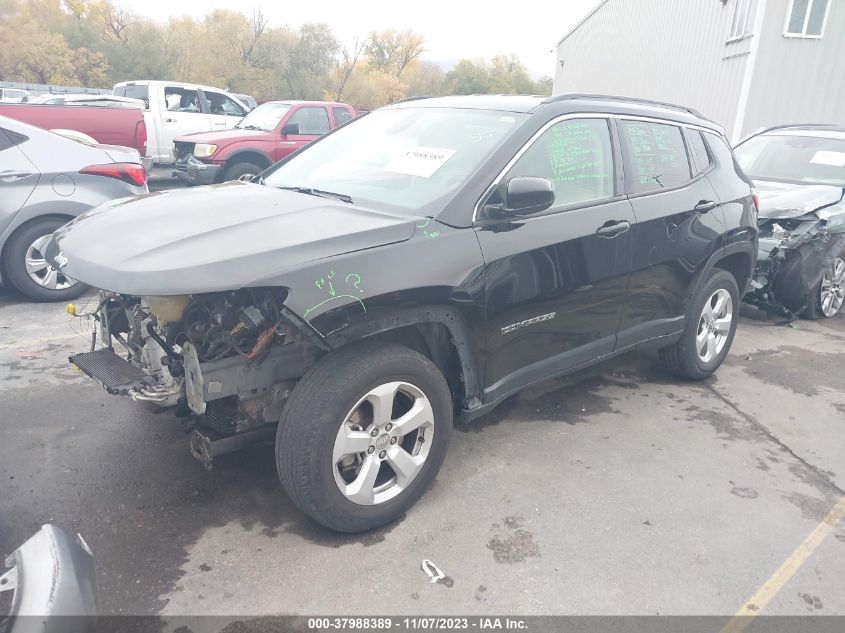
x=710, y=327
x=29, y=271
x=363, y=435
x=828, y=299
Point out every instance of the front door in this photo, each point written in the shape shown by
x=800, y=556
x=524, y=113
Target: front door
x=312, y=122
x=225, y=112
x=556, y=282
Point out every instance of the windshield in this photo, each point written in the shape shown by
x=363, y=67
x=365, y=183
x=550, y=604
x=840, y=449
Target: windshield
x=265, y=117
x=402, y=159
x=795, y=159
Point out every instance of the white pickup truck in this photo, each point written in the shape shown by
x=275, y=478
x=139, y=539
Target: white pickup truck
x=174, y=109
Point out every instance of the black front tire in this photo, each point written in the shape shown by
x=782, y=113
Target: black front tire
x=318, y=407
x=682, y=357
x=814, y=298
x=238, y=170
x=14, y=263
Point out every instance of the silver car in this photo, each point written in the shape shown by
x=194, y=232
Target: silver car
x=45, y=181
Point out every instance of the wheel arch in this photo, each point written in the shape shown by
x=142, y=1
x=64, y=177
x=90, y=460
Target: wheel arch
x=440, y=334
x=254, y=156
x=738, y=259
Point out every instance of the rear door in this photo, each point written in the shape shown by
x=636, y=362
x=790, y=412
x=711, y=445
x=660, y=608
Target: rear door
x=313, y=122
x=181, y=113
x=679, y=225
x=18, y=176
x=225, y=112
x=556, y=282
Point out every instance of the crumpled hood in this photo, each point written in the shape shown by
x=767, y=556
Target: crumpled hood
x=781, y=201
x=215, y=238
x=223, y=137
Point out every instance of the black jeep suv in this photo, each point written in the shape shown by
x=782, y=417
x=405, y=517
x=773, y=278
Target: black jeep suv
x=423, y=262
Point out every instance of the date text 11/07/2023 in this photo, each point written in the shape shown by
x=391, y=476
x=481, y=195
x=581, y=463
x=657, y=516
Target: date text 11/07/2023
x=417, y=623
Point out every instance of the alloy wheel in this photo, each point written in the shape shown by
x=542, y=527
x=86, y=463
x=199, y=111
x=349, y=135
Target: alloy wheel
x=41, y=271
x=383, y=443
x=832, y=290
x=714, y=325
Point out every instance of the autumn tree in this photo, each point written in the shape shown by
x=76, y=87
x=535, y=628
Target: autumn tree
x=391, y=51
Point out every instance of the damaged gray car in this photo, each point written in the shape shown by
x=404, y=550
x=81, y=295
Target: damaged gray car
x=799, y=173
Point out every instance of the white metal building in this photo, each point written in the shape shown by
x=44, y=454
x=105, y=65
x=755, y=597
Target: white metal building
x=743, y=63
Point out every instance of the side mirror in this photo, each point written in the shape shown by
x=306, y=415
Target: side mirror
x=526, y=195
x=290, y=128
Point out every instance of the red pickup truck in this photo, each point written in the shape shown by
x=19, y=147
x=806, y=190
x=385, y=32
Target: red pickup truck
x=109, y=126
x=264, y=136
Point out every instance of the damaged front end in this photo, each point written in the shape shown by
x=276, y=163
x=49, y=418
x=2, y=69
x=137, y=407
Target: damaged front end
x=797, y=248
x=226, y=361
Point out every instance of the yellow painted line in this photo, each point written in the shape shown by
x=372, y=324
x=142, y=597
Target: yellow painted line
x=755, y=604
x=30, y=344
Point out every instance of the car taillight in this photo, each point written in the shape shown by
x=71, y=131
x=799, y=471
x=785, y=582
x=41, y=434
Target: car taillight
x=756, y=200
x=141, y=137
x=130, y=173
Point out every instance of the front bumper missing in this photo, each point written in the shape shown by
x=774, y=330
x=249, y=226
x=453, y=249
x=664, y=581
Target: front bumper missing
x=196, y=172
x=113, y=373
x=54, y=584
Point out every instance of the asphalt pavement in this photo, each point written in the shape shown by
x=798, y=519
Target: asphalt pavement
x=617, y=491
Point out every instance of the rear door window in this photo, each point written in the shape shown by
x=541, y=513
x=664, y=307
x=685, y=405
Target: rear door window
x=182, y=100
x=698, y=149
x=655, y=156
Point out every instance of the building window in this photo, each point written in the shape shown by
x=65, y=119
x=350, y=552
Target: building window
x=806, y=18
x=739, y=26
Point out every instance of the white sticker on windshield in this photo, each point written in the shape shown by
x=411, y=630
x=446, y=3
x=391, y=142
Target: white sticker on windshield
x=836, y=159
x=419, y=161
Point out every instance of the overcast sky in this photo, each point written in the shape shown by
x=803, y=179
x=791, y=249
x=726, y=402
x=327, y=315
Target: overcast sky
x=452, y=28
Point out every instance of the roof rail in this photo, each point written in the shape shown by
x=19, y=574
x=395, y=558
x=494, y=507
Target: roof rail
x=598, y=97
x=417, y=98
x=811, y=126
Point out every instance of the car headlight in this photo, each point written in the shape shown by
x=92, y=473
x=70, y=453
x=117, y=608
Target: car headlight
x=204, y=150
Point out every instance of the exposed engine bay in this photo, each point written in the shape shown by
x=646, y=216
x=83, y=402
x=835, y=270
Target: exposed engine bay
x=226, y=361
x=797, y=244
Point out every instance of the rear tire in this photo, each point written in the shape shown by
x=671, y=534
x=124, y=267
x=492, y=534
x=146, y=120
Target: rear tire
x=363, y=435
x=712, y=319
x=826, y=299
x=238, y=170
x=21, y=248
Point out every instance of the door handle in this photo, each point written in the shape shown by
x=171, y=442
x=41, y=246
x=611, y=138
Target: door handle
x=612, y=228
x=170, y=120
x=705, y=206
x=11, y=176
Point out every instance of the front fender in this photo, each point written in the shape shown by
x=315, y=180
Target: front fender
x=435, y=276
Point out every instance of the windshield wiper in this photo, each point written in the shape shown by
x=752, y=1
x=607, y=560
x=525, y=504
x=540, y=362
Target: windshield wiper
x=250, y=127
x=320, y=193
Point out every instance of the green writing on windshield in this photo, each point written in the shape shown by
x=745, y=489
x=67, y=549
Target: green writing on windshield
x=576, y=152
